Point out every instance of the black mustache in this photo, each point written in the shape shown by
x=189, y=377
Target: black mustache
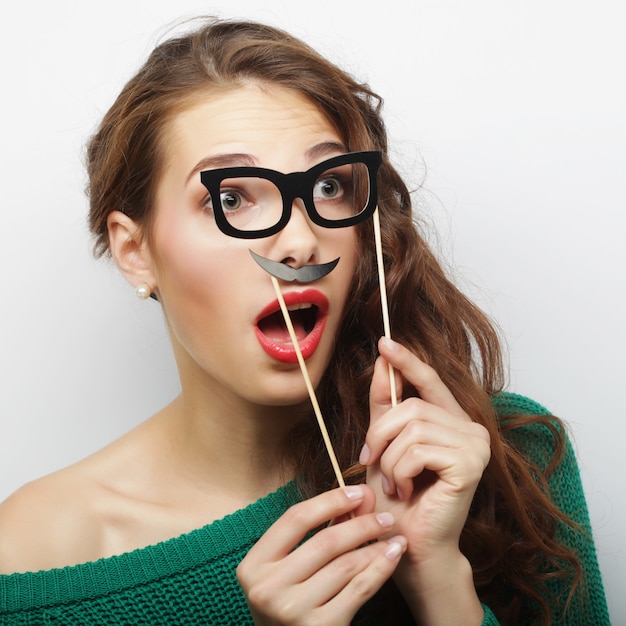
x=304, y=274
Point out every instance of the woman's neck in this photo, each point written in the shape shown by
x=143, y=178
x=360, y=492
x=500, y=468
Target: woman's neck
x=218, y=440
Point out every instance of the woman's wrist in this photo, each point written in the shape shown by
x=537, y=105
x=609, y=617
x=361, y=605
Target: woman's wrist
x=441, y=590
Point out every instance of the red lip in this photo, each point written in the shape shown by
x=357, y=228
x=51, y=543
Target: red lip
x=277, y=342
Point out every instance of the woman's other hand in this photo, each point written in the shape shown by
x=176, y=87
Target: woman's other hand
x=425, y=458
x=326, y=579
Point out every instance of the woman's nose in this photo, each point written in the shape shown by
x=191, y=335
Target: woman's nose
x=297, y=242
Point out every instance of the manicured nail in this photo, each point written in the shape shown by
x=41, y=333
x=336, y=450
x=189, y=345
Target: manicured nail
x=354, y=493
x=390, y=344
x=386, y=485
x=395, y=549
x=386, y=520
x=364, y=457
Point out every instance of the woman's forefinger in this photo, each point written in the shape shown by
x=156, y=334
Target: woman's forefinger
x=293, y=526
x=423, y=377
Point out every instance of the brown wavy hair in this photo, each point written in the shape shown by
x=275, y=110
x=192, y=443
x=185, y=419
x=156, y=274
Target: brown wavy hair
x=510, y=534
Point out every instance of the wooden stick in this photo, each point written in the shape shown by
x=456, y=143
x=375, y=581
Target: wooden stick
x=309, y=385
x=383, y=300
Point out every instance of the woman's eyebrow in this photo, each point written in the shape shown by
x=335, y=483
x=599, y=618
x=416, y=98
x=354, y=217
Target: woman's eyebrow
x=318, y=151
x=223, y=160
x=326, y=148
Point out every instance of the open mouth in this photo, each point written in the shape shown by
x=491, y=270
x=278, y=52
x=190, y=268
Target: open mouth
x=307, y=311
x=303, y=318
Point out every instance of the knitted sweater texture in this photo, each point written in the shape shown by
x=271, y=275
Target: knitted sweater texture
x=191, y=579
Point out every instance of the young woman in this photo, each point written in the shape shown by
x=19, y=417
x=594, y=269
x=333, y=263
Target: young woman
x=464, y=503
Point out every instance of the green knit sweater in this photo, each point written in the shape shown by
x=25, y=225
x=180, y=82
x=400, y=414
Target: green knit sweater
x=191, y=579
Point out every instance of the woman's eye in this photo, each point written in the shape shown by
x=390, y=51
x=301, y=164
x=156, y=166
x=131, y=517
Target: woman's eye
x=230, y=200
x=327, y=188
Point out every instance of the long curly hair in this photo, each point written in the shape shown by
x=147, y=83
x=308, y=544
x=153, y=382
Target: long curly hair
x=510, y=534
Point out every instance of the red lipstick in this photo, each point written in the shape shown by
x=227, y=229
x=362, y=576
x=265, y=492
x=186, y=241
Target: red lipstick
x=308, y=311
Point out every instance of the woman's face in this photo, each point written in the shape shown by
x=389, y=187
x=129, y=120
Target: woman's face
x=220, y=306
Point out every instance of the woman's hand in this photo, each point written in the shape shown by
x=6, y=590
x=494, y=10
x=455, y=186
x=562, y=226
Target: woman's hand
x=425, y=458
x=326, y=579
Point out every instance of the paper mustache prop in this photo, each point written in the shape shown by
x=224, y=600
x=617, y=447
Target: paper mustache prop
x=304, y=274
x=307, y=274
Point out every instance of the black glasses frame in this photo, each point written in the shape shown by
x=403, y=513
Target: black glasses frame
x=292, y=186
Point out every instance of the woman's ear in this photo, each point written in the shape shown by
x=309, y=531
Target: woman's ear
x=130, y=250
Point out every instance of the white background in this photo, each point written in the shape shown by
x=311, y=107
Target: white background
x=515, y=113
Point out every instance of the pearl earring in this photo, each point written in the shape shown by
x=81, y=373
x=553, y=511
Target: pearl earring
x=143, y=292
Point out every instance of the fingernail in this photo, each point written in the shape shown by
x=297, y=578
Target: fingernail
x=386, y=486
x=354, y=493
x=390, y=344
x=395, y=549
x=364, y=457
x=386, y=520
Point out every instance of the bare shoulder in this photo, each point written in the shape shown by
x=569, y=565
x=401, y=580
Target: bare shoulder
x=64, y=518
x=124, y=497
x=47, y=522
x=119, y=499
